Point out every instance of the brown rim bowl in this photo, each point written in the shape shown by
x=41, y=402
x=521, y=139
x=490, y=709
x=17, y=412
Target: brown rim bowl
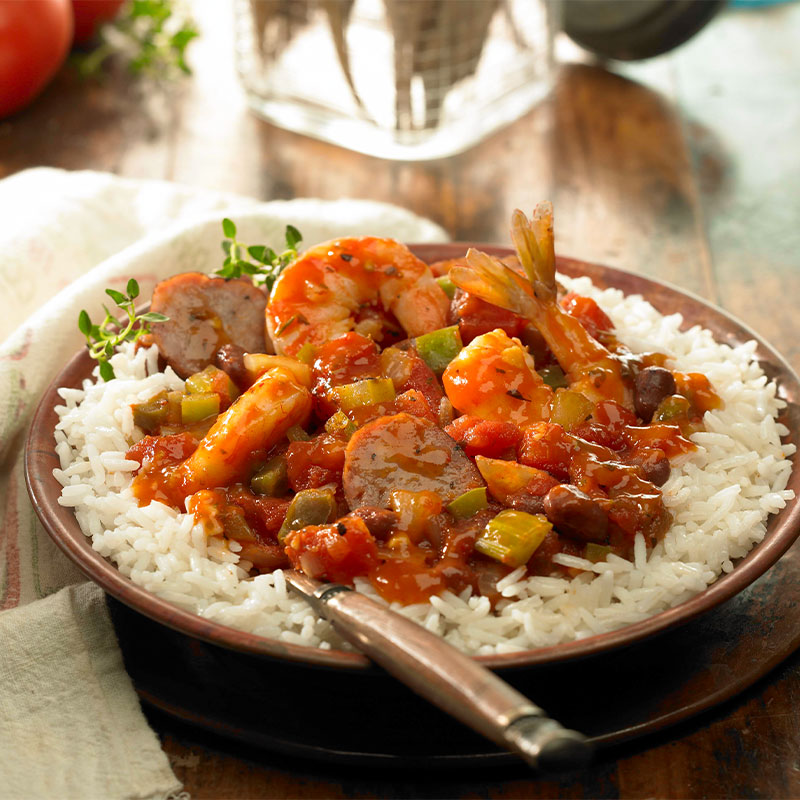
x=782, y=530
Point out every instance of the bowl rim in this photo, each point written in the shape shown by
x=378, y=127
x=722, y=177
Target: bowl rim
x=782, y=530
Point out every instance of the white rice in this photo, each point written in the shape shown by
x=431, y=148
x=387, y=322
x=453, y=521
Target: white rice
x=720, y=498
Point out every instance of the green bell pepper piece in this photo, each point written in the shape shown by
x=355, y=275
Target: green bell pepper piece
x=469, y=504
x=271, y=479
x=308, y=507
x=438, y=348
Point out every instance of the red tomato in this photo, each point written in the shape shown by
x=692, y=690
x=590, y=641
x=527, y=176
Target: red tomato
x=90, y=15
x=35, y=36
x=476, y=316
x=588, y=313
x=345, y=359
x=547, y=446
x=315, y=463
x=483, y=437
x=337, y=552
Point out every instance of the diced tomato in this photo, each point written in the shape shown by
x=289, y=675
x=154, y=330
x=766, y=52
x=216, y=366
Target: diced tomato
x=238, y=515
x=345, y=359
x=156, y=478
x=476, y=316
x=483, y=437
x=422, y=379
x=315, y=463
x=414, y=402
x=337, y=552
x=588, y=313
x=612, y=414
x=596, y=476
x=607, y=426
x=547, y=446
x=409, y=402
x=173, y=448
x=264, y=515
x=600, y=434
x=633, y=504
x=632, y=514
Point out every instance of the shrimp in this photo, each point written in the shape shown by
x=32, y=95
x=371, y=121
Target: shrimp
x=241, y=435
x=353, y=284
x=494, y=378
x=589, y=367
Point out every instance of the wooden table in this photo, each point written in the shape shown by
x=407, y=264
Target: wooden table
x=684, y=168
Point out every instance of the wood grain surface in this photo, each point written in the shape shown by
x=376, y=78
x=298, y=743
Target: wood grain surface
x=683, y=168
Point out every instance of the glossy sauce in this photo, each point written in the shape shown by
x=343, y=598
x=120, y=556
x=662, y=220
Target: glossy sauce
x=614, y=459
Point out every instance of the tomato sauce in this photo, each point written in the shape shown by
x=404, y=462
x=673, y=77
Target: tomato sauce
x=390, y=468
x=158, y=457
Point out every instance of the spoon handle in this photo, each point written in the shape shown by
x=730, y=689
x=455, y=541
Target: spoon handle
x=446, y=677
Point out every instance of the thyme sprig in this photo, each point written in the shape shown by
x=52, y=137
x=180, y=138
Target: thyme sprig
x=102, y=339
x=262, y=263
x=150, y=36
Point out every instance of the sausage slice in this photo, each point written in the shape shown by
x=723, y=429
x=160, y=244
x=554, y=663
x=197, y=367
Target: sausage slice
x=404, y=452
x=204, y=314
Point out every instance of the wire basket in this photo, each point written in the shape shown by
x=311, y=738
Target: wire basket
x=402, y=79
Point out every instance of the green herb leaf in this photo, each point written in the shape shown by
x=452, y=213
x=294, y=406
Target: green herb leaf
x=117, y=297
x=150, y=36
x=293, y=237
x=106, y=371
x=286, y=324
x=262, y=253
x=266, y=264
x=102, y=339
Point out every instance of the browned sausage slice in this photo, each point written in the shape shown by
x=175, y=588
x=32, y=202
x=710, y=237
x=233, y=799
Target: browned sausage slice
x=204, y=314
x=404, y=452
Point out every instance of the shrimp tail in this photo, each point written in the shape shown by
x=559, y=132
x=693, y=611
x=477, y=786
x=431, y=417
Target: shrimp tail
x=488, y=278
x=535, y=247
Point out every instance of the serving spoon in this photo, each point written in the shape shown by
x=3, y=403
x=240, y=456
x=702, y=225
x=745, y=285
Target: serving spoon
x=445, y=676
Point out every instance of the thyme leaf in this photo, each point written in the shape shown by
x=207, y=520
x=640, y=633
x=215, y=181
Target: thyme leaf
x=262, y=263
x=103, y=338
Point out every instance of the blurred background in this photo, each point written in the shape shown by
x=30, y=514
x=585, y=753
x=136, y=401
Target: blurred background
x=682, y=165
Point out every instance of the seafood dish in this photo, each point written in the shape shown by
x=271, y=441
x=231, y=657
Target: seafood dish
x=509, y=457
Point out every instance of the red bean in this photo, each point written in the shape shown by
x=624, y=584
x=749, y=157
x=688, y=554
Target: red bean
x=230, y=359
x=576, y=515
x=651, y=386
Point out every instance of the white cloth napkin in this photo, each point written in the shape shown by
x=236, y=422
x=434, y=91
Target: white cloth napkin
x=70, y=722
